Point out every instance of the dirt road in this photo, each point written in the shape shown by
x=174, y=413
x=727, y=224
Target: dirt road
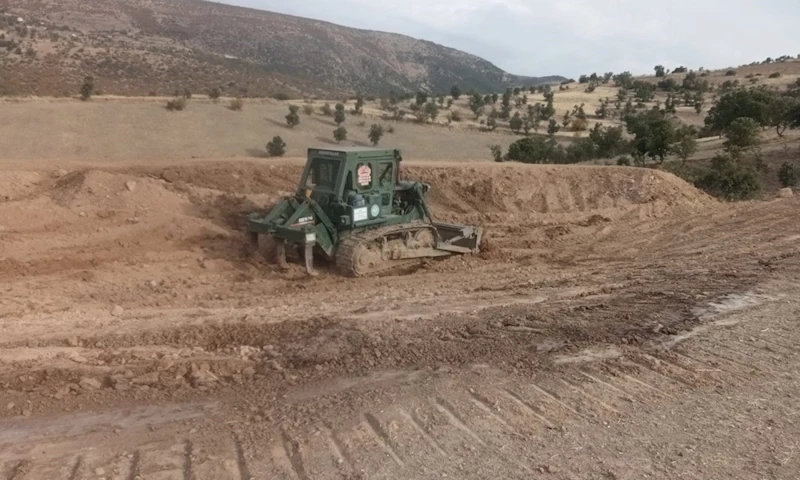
x=619, y=324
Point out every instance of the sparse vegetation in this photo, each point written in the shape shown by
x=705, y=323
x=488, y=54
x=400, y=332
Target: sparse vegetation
x=788, y=174
x=214, y=94
x=339, y=115
x=775, y=75
x=497, y=152
x=308, y=109
x=276, y=147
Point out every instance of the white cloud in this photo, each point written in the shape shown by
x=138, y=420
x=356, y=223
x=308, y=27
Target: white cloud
x=570, y=37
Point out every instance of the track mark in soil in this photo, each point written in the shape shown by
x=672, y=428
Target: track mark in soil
x=656, y=366
x=76, y=469
x=383, y=438
x=747, y=351
x=790, y=348
x=552, y=398
x=414, y=421
x=244, y=471
x=625, y=395
x=704, y=367
x=188, y=452
x=581, y=391
x=292, y=448
x=135, y=462
x=448, y=412
x=338, y=448
x=20, y=470
x=484, y=404
x=646, y=385
x=727, y=358
x=528, y=407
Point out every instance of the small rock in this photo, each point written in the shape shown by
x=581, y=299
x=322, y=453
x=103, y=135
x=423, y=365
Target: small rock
x=26, y=413
x=99, y=471
x=274, y=365
x=248, y=372
x=82, y=214
x=73, y=342
x=785, y=192
x=170, y=175
x=658, y=328
x=59, y=173
x=117, y=311
x=130, y=185
x=146, y=379
x=77, y=358
x=202, y=378
x=10, y=405
x=88, y=383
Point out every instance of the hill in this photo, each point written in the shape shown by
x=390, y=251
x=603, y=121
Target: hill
x=141, y=47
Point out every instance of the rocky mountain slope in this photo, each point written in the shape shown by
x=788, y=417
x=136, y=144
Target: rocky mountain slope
x=157, y=46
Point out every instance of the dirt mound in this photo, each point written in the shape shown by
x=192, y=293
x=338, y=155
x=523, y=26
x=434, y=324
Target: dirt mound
x=532, y=190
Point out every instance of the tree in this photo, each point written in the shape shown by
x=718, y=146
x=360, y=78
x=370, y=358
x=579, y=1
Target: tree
x=516, y=123
x=87, y=88
x=788, y=175
x=686, y=144
x=752, y=103
x=237, y=104
x=566, y=120
x=653, y=134
x=607, y=77
x=214, y=94
x=729, y=179
x=375, y=134
x=327, y=110
x=530, y=150
x=339, y=115
x=552, y=128
x=455, y=91
x=624, y=80
x=422, y=97
x=491, y=123
x=660, y=71
x=608, y=141
x=494, y=98
x=293, y=119
x=742, y=134
x=432, y=111
x=276, y=147
x=359, y=107
x=583, y=79
x=579, y=125
x=340, y=134
x=476, y=104
x=779, y=112
x=548, y=110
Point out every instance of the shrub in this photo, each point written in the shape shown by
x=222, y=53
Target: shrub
x=276, y=147
x=775, y=75
x=326, y=110
x=281, y=96
x=455, y=116
x=730, y=73
x=214, y=94
x=729, y=179
x=390, y=129
x=742, y=133
x=375, y=134
x=497, y=152
x=308, y=109
x=624, y=161
x=579, y=125
x=292, y=118
x=340, y=134
x=788, y=175
x=87, y=88
x=237, y=104
x=339, y=115
x=177, y=104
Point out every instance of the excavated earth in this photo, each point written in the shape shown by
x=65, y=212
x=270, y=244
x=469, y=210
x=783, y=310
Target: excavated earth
x=617, y=324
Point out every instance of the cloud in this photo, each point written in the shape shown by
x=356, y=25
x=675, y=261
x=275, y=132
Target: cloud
x=570, y=37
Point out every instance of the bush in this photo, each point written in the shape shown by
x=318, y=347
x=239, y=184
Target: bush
x=389, y=129
x=308, y=109
x=326, y=110
x=214, y=94
x=742, y=133
x=775, y=75
x=455, y=116
x=375, y=134
x=788, y=175
x=276, y=147
x=624, y=161
x=729, y=179
x=579, y=125
x=497, y=152
x=730, y=73
x=237, y=104
x=281, y=96
x=340, y=134
x=292, y=118
x=177, y=104
x=339, y=115
x=87, y=88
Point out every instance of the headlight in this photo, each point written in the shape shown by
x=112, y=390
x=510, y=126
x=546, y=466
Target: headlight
x=311, y=237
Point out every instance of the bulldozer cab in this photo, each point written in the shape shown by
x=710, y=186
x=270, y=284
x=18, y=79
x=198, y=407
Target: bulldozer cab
x=354, y=184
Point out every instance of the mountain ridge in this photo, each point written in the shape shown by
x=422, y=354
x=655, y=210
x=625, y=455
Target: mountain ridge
x=158, y=46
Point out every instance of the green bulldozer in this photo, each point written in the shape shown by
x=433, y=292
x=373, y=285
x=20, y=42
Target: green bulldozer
x=351, y=208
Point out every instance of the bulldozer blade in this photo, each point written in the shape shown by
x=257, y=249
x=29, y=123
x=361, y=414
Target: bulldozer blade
x=309, y=257
x=280, y=254
x=459, y=238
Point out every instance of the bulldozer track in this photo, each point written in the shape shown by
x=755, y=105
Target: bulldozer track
x=345, y=260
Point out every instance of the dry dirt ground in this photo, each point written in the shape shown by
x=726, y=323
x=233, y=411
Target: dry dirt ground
x=619, y=324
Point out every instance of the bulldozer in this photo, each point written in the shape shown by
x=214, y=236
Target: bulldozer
x=352, y=209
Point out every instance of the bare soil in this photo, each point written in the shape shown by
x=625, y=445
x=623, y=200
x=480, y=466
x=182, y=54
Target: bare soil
x=618, y=324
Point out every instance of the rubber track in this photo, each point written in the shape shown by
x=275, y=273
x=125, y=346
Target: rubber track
x=348, y=245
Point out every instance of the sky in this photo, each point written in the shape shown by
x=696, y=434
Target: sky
x=572, y=37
